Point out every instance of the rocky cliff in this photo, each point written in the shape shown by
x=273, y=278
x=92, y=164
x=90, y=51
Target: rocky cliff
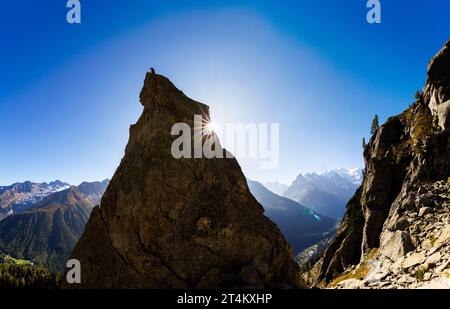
x=179, y=223
x=395, y=232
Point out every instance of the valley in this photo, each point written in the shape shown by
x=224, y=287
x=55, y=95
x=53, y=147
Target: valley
x=167, y=221
x=46, y=232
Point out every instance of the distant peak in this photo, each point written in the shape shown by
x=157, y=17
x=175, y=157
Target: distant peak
x=58, y=183
x=353, y=172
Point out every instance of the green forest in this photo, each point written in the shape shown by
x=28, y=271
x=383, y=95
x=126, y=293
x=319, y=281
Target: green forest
x=27, y=276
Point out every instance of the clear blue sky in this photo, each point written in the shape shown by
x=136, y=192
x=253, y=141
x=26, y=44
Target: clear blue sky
x=68, y=93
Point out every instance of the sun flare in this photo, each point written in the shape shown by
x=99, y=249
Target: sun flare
x=211, y=126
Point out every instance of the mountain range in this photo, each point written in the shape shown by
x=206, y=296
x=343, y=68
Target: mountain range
x=47, y=231
x=326, y=193
x=19, y=196
x=301, y=226
x=276, y=187
x=168, y=223
x=46, y=220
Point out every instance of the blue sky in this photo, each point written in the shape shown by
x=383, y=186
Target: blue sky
x=68, y=93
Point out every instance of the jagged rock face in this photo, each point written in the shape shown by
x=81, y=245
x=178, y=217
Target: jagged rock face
x=437, y=91
x=179, y=223
x=409, y=153
x=414, y=250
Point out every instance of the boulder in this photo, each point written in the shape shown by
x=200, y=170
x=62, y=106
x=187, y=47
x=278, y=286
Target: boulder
x=350, y=284
x=443, y=266
x=444, y=237
x=424, y=210
x=414, y=260
x=437, y=283
x=399, y=225
x=426, y=244
x=433, y=259
x=396, y=244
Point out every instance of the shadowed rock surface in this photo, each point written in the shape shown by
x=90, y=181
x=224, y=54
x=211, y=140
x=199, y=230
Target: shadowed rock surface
x=404, y=198
x=179, y=223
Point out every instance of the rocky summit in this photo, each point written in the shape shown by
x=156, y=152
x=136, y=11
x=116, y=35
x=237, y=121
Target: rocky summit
x=179, y=223
x=396, y=230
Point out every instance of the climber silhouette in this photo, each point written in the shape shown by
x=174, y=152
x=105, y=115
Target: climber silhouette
x=152, y=70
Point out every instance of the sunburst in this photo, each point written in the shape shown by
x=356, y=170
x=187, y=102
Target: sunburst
x=208, y=128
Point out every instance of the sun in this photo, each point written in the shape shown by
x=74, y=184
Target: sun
x=211, y=127
x=208, y=127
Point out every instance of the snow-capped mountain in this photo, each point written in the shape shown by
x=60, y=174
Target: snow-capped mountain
x=354, y=174
x=327, y=192
x=47, y=231
x=276, y=187
x=301, y=226
x=19, y=196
